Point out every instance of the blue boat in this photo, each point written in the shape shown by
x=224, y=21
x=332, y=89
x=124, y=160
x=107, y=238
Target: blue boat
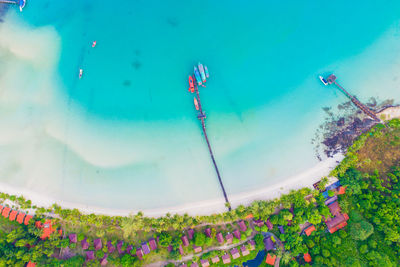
x=197, y=75
x=206, y=70
x=202, y=74
x=21, y=4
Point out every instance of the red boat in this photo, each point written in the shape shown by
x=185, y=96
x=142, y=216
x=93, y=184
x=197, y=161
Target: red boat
x=196, y=104
x=191, y=82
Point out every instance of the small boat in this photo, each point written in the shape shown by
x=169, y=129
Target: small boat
x=202, y=74
x=206, y=70
x=21, y=4
x=80, y=73
x=323, y=80
x=191, y=85
x=196, y=104
x=197, y=75
x=94, y=44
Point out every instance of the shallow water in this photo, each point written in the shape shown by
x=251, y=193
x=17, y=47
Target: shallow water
x=126, y=134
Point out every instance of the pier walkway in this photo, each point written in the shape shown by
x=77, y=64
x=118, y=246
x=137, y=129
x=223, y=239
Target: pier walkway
x=201, y=117
x=332, y=80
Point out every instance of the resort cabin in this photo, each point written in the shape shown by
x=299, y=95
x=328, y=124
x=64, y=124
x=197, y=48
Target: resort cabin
x=229, y=238
x=6, y=212
x=183, y=265
x=47, y=227
x=235, y=253
x=309, y=230
x=20, y=218
x=145, y=248
x=194, y=264
x=270, y=259
x=84, y=244
x=190, y=234
x=129, y=249
x=152, y=244
x=215, y=259
x=237, y=234
x=31, y=264
x=181, y=250
x=226, y=258
x=27, y=219
x=197, y=249
x=331, y=200
x=242, y=226
x=170, y=248
x=268, y=243
x=185, y=240
x=97, y=244
x=139, y=253
x=89, y=255
x=73, y=238
x=269, y=224
x=259, y=223
x=110, y=247
x=281, y=230
x=119, y=247
x=208, y=232
x=338, y=221
x=220, y=238
x=103, y=261
x=252, y=244
x=244, y=250
x=307, y=257
x=205, y=263
x=13, y=215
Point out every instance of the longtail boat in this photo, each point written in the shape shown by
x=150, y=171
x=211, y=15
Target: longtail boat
x=197, y=75
x=202, y=74
x=196, y=104
x=191, y=85
x=206, y=70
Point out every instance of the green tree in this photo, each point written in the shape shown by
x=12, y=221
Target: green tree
x=165, y=239
x=199, y=239
x=361, y=230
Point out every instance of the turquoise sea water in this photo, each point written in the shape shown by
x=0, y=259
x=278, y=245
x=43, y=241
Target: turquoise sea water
x=126, y=134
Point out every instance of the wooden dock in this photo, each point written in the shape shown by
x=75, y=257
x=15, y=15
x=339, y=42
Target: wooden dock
x=201, y=117
x=372, y=114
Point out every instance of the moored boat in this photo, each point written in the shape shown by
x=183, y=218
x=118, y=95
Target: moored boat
x=196, y=104
x=80, y=73
x=191, y=85
x=206, y=70
x=323, y=80
x=197, y=75
x=202, y=74
x=21, y=4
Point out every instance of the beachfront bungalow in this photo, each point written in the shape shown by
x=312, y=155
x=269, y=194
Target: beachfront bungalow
x=235, y=253
x=190, y=234
x=185, y=241
x=341, y=190
x=215, y=259
x=110, y=247
x=89, y=255
x=229, y=238
x=307, y=257
x=259, y=223
x=181, y=250
x=97, y=244
x=152, y=244
x=268, y=243
x=242, y=226
x=145, y=248
x=208, y=232
x=13, y=215
x=1, y=208
x=197, y=249
x=244, y=250
x=309, y=230
x=47, y=227
x=73, y=238
x=252, y=244
x=226, y=258
x=194, y=264
x=129, y=249
x=84, y=244
x=338, y=221
x=183, y=265
x=220, y=238
x=269, y=224
x=331, y=200
x=27, y=219
x=281, y=230
x=270, y=259
x=103, y=261
x=119, y=247
x=20, y=218
x=204, y=263
x=6, y=212
x=237, y=234
x=139, y=253
x=31, y=264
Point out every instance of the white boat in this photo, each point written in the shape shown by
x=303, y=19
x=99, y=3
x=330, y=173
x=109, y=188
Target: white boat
x=80, y=73
x=21, y=4
x=202, y=73
x=323, y=80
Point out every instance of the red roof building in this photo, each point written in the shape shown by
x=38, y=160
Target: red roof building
x=194, y=264
x=252, y=244
x=97, y=244
x=341, y=190
x=270, y=259
x=181, y=250
x=20, y=218
x=244, y=250
x=89, y=255
x=242, y=226
x=229, y=238
x=139, y=253
x=208, y=232
x=269, y=224
x=152, y=244
x=235, y=253
x=190, y=234
x=338, y=221
x=5, y=212
x=47, y=228
x=27, y=219
x=309, y=230
x=197, y=249
x=220, y=238
x=259, y=223
x=237, y=234
x=226, y=258
x=13, y=215
x=205, y=263
x=185, y=241
x=307, y=257
x=103, y=261
x=215, y=259
x=31, y=264
x=73, y=238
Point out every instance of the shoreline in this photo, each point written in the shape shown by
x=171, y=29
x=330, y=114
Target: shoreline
x=206, y=207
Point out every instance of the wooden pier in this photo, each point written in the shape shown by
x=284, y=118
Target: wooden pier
x=332, y=80
x=201, y=117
